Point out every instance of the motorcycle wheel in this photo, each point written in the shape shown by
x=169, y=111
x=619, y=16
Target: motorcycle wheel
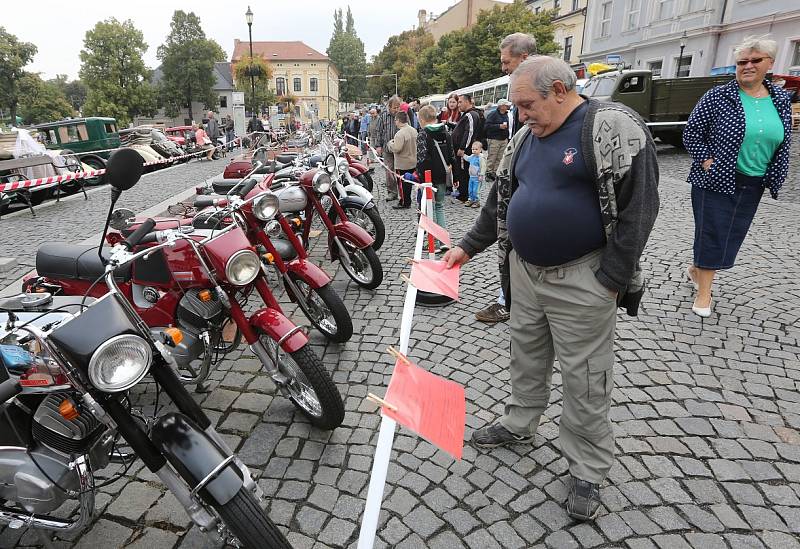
x=244, y=518
x=365, y=180
x=368, y=219
x=325, y=309
x=310, y=387
x=362, y=265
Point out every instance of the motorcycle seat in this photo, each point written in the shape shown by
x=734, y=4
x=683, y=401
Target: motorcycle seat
x=284, y=249
x=75, y=261
x=285, y=158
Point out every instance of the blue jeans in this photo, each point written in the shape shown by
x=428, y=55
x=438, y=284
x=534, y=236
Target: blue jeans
x=474, y=185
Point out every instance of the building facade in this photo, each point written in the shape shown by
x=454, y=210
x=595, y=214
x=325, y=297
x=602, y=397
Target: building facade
x=568, y=25
x=461, y=15
x=689, y=37
x=300, y=71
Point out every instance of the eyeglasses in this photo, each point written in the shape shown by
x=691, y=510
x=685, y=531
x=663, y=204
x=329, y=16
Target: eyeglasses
x=755, y=61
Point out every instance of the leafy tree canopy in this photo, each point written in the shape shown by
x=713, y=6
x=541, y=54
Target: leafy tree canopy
x=346, y=51
x=42, y=101
x=14, y=55
x=187, y=62
x=262, y=73
x=401, y=56
x=74, y=91
x=113, y=70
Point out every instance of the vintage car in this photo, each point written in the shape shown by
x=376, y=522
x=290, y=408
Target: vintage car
x=180, y=134
x=90, y=137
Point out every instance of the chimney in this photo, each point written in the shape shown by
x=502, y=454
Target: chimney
x=421, y=17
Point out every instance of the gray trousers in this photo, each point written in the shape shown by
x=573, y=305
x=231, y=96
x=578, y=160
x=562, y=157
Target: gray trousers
x=564, y=312
x=391, y=178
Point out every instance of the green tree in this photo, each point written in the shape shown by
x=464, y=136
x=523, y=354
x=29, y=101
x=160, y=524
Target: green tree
x=262, y=74
x=14, y=55
x=74, y=91
x=401, y=55
x=113, y=70
x=346, y=51
x=42, y=101
x=187, y=62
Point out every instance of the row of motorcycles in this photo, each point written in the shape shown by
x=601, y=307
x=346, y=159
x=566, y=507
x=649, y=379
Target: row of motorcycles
x=159, y=303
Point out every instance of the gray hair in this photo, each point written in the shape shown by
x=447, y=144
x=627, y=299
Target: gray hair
x=757, y=43
x=519, y=43
x=542, y=71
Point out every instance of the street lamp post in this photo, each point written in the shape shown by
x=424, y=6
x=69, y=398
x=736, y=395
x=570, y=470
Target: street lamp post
x=680, y=56
x=249, y=16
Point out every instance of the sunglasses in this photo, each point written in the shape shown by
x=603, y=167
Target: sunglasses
x=755, y=61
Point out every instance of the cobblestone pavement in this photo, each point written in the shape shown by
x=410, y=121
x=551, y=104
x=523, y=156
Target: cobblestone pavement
x=707, y=418
x=77, y=219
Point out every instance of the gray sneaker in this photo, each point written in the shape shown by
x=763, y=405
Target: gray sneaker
x=583, y=501
x=493, y=313
x=496, y=435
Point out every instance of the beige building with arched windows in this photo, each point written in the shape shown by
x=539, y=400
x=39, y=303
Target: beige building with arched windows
x=298, y=70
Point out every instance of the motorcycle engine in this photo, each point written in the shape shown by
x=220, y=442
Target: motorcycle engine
x=196, y=310
x=67, y=436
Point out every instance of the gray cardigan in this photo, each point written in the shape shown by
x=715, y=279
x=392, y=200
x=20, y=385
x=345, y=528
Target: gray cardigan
x=621, y=154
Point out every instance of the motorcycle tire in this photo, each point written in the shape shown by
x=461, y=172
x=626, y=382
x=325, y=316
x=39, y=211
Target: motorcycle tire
x=365, y=180
x=329, y=414
x=338, y=315
x=367, y=258
x=369, y=219
x=245, y=519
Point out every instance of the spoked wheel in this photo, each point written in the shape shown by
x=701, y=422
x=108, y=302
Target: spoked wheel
x=309, y=385
x=362, y=265
x=249, y=524
x=368, y=219
x=325, y=310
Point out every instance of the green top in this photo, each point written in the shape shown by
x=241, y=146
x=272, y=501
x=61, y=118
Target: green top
x=763, y=135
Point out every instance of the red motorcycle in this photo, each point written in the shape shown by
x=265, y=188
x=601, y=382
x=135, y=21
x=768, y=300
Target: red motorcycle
x=200, y=284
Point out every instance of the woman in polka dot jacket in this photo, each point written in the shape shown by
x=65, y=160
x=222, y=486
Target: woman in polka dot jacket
x=739, y=136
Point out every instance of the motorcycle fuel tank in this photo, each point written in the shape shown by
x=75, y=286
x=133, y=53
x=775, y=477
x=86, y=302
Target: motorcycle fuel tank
x=292, y=199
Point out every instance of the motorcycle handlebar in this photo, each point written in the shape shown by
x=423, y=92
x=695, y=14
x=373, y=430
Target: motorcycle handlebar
x=206, y=201
x=137, y=235
x=248, y=186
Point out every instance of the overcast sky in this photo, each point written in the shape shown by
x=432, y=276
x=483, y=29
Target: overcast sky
x=58, y=27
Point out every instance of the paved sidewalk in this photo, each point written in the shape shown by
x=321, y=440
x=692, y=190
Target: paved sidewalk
x=707, y=417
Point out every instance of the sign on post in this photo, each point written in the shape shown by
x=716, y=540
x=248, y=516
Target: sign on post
x=613, y=59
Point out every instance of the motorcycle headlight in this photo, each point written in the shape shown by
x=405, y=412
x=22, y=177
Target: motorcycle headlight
x=266, y=206
x=243, y=267
x=342, y=166
x=120, y=363
x=330, y=163
x=273, y=228
x=321, y=182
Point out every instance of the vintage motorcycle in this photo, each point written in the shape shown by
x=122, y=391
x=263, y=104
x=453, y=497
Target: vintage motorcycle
x=67, y=366
x=201, y=284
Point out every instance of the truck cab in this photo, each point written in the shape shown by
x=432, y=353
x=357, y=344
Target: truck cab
x=90, y=137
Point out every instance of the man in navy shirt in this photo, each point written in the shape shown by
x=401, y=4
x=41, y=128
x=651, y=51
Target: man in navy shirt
x=573, y=206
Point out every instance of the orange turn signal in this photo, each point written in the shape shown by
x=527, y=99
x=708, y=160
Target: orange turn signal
x=174, y=334
x=297, y=221
x=67, y=410
x=205, y=295
x=269, y=257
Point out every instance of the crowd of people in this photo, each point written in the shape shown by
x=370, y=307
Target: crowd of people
x=573, y=199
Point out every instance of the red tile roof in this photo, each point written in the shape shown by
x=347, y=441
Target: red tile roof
x=276, y=51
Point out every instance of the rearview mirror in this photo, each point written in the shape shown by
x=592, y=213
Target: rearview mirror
x=124, y=169
x=121, y=219
x=259, y=156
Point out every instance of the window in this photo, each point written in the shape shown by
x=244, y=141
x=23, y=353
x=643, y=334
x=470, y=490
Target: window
x=632, y=84
x=223, y=101
x=280, y=86
x=632, y=9
x=655, y=67
x=685, y=66
x=605, y=19
x=695, y=5
x=314, y=84
x=576, y=4
x=664, y=9
x=297, y=86
x=556, y=4
x=501, y=92
x=567, y=48
x=796, y=53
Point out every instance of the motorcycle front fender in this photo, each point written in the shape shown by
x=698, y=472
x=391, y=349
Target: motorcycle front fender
x=277, y=326
x=347, y=230
x=359, y=191
x=193, y=454
x=357, y=169
x=309, y=272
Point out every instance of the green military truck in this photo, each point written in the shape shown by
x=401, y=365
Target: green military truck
x=664, y=103
x=90, y=137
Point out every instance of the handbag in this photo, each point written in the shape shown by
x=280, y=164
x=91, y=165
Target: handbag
x=448, y=171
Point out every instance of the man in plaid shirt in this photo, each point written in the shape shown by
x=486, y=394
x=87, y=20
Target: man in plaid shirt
x=385, y=133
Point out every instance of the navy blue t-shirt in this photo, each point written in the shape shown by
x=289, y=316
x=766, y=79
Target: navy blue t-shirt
x=554, y=215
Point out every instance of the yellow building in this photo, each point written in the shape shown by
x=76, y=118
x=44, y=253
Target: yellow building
x=461, y=15
x=300, y=71
x=569, y=23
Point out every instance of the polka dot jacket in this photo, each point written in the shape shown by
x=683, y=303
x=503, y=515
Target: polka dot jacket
x=715, y=129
